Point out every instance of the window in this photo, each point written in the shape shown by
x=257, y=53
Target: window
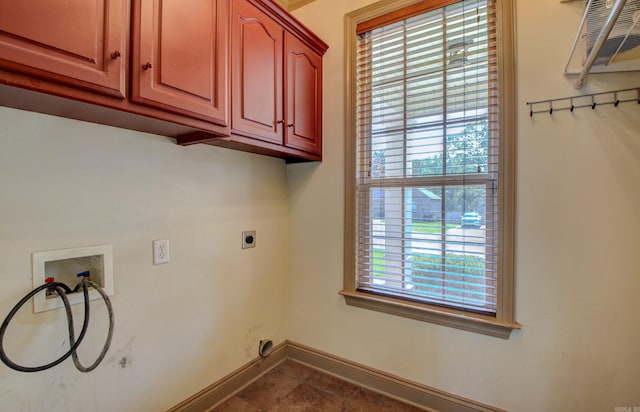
x=430, y=162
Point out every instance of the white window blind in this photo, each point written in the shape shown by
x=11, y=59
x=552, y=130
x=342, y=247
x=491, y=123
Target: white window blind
x=427, y=158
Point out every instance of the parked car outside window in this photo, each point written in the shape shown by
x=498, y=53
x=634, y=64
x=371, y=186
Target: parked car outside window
x=470, y=219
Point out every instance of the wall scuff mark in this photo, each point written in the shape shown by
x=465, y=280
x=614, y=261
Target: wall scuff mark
x=122, y=358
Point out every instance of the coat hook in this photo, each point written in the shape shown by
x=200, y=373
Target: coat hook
x=594, y=103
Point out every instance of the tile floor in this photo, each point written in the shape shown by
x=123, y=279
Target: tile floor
x=292, y=386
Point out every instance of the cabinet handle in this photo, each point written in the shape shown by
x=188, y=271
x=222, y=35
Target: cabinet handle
x=147, y=66
x=280, y=122
x=290, y=125
x=116, y=54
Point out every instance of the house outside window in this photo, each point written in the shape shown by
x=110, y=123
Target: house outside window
x=430, y=155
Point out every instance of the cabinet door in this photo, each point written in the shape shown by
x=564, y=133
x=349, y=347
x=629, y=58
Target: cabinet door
x=180, y=56
x=76, y=42
x=303, y=74
x=256, y=77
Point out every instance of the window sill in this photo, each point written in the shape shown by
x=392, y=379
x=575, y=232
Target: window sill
x=470, y=322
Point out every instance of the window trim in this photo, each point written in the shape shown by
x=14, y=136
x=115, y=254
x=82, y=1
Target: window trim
x=504, y=322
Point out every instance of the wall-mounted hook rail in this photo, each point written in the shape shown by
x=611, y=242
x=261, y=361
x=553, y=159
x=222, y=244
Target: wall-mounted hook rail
x=593, y=100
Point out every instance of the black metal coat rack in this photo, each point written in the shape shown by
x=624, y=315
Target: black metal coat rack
x=593, y=100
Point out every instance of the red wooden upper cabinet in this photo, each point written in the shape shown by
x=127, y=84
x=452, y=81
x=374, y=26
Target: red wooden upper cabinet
x=276, y=79
x=81, y=43
x=304, y=97
x=180, y=56
x=256, y=74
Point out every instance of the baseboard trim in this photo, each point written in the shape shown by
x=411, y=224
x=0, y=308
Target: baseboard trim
x=414, y=393
x=226, y=387
x=390, y=385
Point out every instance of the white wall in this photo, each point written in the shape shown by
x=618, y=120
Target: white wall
x=578, y=226
x=180, y=326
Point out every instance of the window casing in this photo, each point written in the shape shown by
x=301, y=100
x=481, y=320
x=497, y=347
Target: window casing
x=430, y=162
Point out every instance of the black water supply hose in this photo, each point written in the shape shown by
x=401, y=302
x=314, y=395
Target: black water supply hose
x=62, y=290
x=74, y=355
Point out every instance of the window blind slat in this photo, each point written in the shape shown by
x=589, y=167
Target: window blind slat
x=426, y=99
x=401, y=14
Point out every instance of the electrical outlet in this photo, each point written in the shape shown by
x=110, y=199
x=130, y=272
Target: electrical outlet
x=248, y=239
x=160, y=251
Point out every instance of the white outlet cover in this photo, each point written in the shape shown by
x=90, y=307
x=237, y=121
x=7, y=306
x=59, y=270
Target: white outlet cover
x=160, y=251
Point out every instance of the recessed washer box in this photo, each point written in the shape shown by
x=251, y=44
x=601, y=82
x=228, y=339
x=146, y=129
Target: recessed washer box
x=63, y=265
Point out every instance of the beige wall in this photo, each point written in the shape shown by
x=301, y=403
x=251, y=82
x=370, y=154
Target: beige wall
x=180, y=326
x=578, y=278
x=184, y=325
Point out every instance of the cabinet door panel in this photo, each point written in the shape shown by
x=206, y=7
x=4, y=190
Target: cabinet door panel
x=185, y=58
x=259, y=95
x=180, y=55
x=76, y=42
x=256, y=74
x=304, y=97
